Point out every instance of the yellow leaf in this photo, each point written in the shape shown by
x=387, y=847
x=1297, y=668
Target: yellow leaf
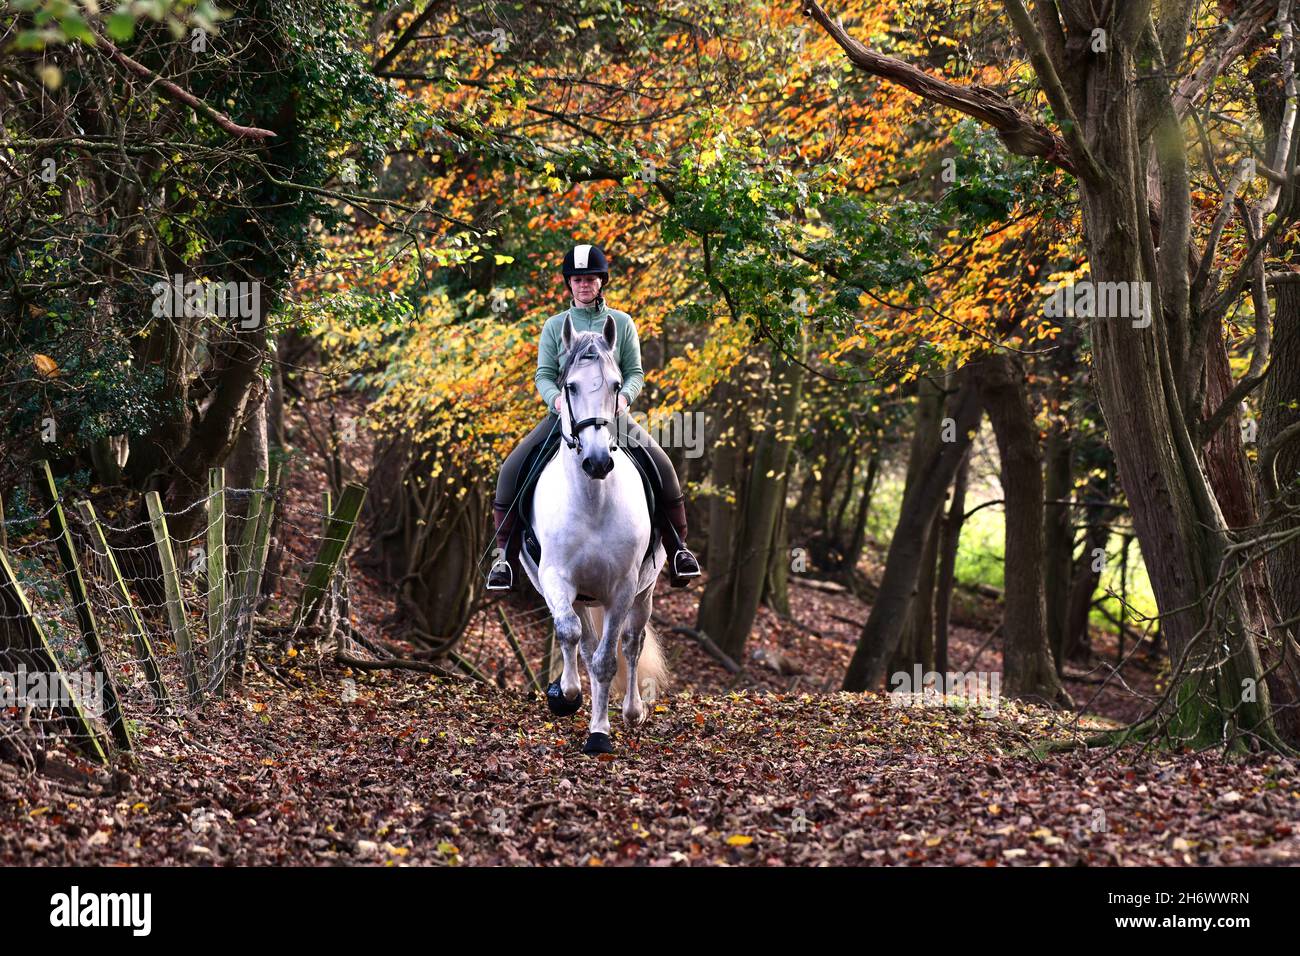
x=45, y=365
x=737, y=839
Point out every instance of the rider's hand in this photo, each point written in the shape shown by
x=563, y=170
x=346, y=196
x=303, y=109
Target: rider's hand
x=622, y=402
x=556, y=403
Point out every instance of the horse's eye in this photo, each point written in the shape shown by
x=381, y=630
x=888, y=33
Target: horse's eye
x=573, y=388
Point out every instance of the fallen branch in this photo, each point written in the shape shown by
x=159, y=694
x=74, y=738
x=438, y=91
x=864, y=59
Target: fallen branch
x=395, y=664
x=706, y=642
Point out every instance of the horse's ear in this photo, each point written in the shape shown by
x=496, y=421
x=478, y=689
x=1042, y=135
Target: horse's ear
x=610, y=332
x=566, y=337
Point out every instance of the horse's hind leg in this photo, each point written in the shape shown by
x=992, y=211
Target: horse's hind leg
x=634, y=712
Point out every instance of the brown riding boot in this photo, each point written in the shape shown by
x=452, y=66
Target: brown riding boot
x=682, y=564
x=501, y=577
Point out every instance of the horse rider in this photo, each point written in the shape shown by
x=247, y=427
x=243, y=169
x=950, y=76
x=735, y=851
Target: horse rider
x=586, y=273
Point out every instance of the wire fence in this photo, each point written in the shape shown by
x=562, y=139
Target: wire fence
x=104, y=626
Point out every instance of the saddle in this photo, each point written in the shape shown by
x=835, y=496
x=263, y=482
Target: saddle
x=538, y=460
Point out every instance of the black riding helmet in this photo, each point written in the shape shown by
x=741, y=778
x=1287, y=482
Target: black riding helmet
x=586, y=260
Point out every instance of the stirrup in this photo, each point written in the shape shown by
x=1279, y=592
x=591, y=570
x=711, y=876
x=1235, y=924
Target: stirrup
x=685, y=564
x=501, y=577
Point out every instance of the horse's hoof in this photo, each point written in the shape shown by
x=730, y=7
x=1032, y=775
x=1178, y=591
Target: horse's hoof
x=598, y=744
x=560, y=705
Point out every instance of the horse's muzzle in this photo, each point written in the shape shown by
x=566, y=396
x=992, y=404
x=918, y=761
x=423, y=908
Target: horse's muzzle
x=598, y=466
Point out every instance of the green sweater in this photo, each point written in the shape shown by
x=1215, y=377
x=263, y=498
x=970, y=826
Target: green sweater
x=592, y=319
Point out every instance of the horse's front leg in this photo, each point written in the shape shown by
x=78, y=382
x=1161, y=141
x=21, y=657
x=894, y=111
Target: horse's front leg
x=601, y=669
x=564, y=696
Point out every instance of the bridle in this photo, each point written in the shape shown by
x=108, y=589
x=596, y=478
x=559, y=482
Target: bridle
x=573, y=441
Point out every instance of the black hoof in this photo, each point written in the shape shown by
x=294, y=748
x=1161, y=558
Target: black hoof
x=598, y=744
x=560, y=705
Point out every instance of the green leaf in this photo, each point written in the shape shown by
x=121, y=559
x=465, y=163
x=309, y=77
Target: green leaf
x=121, y=26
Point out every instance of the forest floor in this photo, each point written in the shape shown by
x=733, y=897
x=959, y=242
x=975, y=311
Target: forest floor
x=313, y=763
x=409, y=768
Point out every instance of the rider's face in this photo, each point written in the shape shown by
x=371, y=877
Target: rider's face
x=584, y=288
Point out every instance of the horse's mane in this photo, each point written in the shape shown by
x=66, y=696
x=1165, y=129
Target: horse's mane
x=583, y=345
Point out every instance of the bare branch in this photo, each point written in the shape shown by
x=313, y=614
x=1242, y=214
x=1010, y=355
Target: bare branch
x=179, y=95
x=1056, y=95
x=1240, y=38
x=1022, y=135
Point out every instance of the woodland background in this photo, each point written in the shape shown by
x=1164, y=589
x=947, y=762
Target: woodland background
x=836, y=230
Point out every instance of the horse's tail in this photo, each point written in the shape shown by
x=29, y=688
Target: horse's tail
x=651, y=669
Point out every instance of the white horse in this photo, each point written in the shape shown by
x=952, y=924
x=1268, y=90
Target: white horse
x=590, y=518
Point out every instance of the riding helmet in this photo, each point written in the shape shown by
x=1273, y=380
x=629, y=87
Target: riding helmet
x=586, y=260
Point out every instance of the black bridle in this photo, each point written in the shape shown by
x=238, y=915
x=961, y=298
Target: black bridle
x=573, y=441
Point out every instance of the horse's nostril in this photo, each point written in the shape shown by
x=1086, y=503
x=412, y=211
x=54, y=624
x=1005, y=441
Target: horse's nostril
x=597, y=468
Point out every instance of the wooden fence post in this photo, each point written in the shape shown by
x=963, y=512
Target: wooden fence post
x=235, y=652
x=143, y=646
x=76, y=585
x=175, y=599
x=13, y=599
x=216, y=575
x=337, y=534
x=262, y=543
x=548, y=663
x=519, y=651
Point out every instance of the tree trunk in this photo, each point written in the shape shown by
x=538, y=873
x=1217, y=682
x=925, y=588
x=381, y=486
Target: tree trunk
x=949, y=540
x=927, y=434
x=1026, y=658
x=1058, y=540
x=763, y=495
x=883, y=629
x=916, y=646
x=1278, y=407
x=850, y=474
x=854, y=553
x=728, y=454
x=776, y=589
x=1178, y=521
x=251, y=453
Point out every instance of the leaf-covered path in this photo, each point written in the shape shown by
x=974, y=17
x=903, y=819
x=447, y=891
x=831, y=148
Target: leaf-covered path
x=421, y=770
